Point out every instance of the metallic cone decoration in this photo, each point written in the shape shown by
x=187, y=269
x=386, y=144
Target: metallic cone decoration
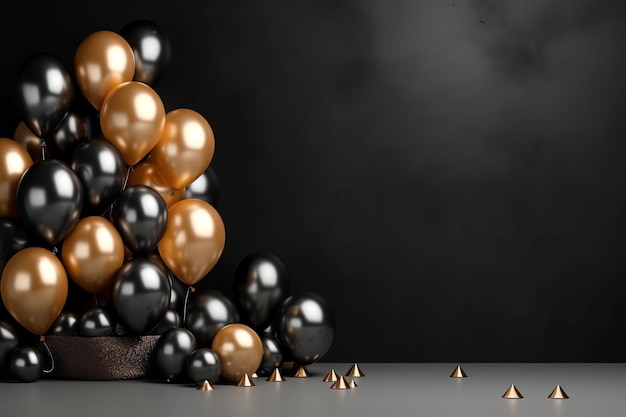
x=512, y=393
x=331, y=376
x=205, y=386
x=355, y=372
x=254, y=375
x=302, y=372
x=276, y=376
x=340, y=384
x=245, y=381
x=458, y=373
x=352, y=383
x=558, y=394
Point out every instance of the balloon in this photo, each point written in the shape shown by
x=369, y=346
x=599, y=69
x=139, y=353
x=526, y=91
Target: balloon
x=207, y=313
x=102, y=61
x=30, y=142
x=185, y=148
x=50, y=199
x=145, y=173
x=260, y=285
x=92, y=253
x=101, y=171
x=96, y=322
x=14, y=161
x=172, y=350
x=193, y=241
x=171, y=320
x=65, y=325
x=151, y=47
x=272, y=354
x=203, y=364
x=8, y=343
x=25, y=364
x=140, y=214
x=71, y=132
x=132, y=119
x=141, y=293
x=12, y=240
x=205, y=187
x=44, y=93
x=34, y=288
x=240, y=351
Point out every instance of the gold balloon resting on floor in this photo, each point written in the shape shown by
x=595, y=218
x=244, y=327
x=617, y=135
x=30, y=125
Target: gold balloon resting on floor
x=240, y=351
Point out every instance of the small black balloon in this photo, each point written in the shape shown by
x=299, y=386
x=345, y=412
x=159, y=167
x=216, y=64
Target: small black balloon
x=151, y=48
x=9, y=341
x=206, y=187
x=172, y=350
x=13, y=238
x=96, y=321
x=272, y=354
x=65, y=325
x=203, y=364
x=25, y=364
x=73, y=130
x=207, y=313
x=171, y=320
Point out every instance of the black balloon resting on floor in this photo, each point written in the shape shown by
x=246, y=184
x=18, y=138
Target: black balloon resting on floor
x=272, y=354
x=26, y=364
x=207, y=313
x=172, y=350
x=203, y=364
x=9, y=341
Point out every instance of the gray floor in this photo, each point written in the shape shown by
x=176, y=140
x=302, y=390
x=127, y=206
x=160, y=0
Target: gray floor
x=387, y=390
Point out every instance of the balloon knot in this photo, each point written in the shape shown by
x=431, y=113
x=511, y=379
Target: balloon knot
x=42, y=339
x=192, y=289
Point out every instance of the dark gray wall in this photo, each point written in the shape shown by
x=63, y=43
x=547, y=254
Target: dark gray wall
x=449, y=175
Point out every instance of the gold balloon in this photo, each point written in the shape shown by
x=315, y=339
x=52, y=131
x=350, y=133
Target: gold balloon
x=193, y=240
x=132, y=119
x=185, y=148
x=34, y=288
x=240, y=351
x=145, y=173
x=14, y=161
x=29, y=141
x=103, y=61
x=92, y=254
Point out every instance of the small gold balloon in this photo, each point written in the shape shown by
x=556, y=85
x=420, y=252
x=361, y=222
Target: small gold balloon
x=34, y=288
x=29, y=141
x=145, y=173
x=92, y=254
x=14, y=161
x=240, y=351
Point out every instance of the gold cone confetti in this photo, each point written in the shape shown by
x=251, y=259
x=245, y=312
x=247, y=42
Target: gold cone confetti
x=458, y=373
x=245, y=381
x=355, y=372
x=276, y=376
x=331, y=376
x=254, y=375
x=205, y=386
x=340, y=384
x=302, y=372
x=352, y=383
x=512, y=393
x=558, y=394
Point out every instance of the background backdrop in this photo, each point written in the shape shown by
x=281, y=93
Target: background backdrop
x=449, y=175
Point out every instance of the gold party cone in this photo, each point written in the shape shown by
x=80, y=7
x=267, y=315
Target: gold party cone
x=558, y=394
x=245, y=381
x=331, y=376
x=276, y=376
x=512, y=393
x=355, y=371
x=458, y=373
x=302, y=372
x=352, y=383
x=254, y=375
x=340, y=384
x=205, y=386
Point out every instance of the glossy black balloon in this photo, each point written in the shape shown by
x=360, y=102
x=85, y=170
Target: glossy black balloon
x=305, y=327
x=101, y=170
x=26, y=364
x=73, y=130
x=140, y=295
x=65, y=325
x=172, y=350
x=50, y=199
x=44, y=93
x=151, y=48
x=9, y=341
x=13, y=238
x=272, y=354
x=207, y=313
x=205, y=187
x=260, y=285
x=203, y=364
x=96, y=321
x=171, y=320
x=140, y=215
x=177, y=296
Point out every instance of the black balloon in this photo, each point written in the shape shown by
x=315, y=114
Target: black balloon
x=171, y=320
x=141, y=293
x=8, y=343
x=272, y=354
x=205, y=187
x=203, y=364
x=101, y=170
x=172, y=350
x=140, y=215
x=207, y=313
x=177, y=296
x=260, y=285
x=44, y=93
x=26, y=364
x=96, y=321
x=13, y=238
x=50, y=199
x=151, y=48
x=305, y=327
x=73, y=130
x=65, y=325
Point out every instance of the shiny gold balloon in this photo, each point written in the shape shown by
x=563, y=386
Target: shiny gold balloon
x=29, y=141
x=92, y=254
x=145, y=173
x=14, y=161
x=240, y=351
x=193, y=240
x=34, y=288
x=103, y=61
x=185, y=148
x=132, y=118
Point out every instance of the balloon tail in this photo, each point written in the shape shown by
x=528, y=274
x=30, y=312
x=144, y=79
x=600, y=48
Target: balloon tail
x=55, y=251
x=43, y=150
x=190, y=289
x=128, y=171
x=45, y=345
